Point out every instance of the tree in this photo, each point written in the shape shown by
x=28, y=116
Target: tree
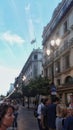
x=39, y=86
x=15, y=95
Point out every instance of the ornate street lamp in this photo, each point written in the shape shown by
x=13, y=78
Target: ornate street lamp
x=24, y=78
x=54, y=44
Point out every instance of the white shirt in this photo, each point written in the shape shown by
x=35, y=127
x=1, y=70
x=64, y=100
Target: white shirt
x=39, y=110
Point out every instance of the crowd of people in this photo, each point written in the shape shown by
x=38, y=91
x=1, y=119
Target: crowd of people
x=51, y=115
x=54, y=115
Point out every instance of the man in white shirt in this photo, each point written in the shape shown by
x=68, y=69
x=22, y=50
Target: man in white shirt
x=40, y=106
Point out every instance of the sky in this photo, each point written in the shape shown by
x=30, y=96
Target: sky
x=21, y=21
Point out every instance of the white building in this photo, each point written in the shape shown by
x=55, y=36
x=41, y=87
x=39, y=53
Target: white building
x=61, y=59
x=11, y=87
x=33, y=66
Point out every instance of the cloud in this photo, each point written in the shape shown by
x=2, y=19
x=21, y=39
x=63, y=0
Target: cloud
x=11, y=38
x=7, y=76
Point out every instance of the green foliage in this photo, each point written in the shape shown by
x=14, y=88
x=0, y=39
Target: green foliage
x=37, y=86
x=15, y=95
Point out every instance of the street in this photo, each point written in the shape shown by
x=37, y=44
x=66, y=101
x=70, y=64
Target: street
x=26, y=119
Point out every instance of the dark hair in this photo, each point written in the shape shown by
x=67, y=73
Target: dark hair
x=3, y=109
x=42, y=100
x=56, y=99
x=45, y=100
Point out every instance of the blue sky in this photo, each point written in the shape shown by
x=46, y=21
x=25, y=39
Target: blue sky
x=20, y=22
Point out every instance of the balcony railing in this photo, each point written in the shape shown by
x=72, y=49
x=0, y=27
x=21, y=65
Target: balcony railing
x=67, y=45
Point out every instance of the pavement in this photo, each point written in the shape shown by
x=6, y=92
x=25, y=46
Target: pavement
x=26, y=119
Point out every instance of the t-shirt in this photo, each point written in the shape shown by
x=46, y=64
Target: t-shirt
x=51, y=115
x=40, y=106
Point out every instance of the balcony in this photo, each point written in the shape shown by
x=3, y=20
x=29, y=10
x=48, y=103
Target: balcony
x=66, y=33
x=64, y=49
x=71, y=42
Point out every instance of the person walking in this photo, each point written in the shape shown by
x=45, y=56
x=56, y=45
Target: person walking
x=47, y=101
x=51, y=114
x=40, y=106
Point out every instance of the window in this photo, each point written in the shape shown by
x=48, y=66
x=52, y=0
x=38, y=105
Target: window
x=57, y=67
x=51, y=73
x=65, y=27
x=35, y=71
x=46, y=72
x=67, y=62
x=68, y=79
x=58, y=82
x=65, y=44
x=57, y=34
x=35, y=57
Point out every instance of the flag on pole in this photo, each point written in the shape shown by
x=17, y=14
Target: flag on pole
x=33, y=41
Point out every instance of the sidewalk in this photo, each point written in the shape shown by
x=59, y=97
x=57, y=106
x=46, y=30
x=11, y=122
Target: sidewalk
x=26, y=119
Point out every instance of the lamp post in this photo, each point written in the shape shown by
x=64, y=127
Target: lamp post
x=54, y=44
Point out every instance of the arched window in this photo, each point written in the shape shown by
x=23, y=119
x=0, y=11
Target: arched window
x=68, y=79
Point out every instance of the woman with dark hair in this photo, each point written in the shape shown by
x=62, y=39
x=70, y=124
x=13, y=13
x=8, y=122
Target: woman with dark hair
x=6, y=116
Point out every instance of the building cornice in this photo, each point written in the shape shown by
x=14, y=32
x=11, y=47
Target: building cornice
x=64, y=9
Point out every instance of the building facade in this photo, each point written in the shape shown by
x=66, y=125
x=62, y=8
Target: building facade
x=32, y=68
x=61, y=58
x=11, y=87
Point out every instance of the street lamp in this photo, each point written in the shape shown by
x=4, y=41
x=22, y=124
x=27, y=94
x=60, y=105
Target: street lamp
x=24, y=78
x=54, y=44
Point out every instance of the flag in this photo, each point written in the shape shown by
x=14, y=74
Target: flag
x=33, y=41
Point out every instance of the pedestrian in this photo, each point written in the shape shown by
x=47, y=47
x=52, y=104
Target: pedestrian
x=71, y=102
x=40, y=106
x=47, y=101
x=68, y=122
x=59, y=116
x=51, y=114
x=64, y=116
x=15, y=114
x=6, y=116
